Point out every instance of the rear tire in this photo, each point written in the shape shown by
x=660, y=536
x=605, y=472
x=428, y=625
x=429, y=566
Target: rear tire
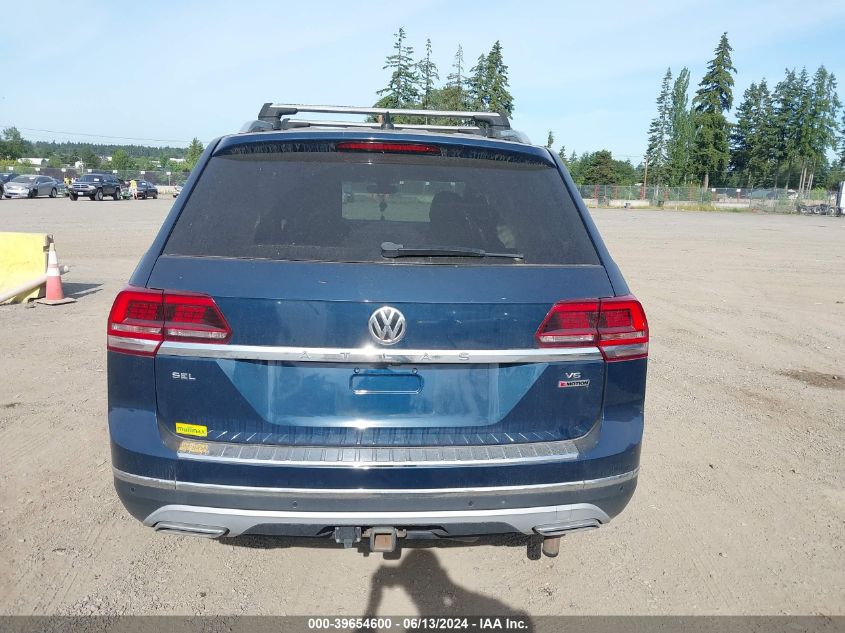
x=116, y=194
x=99, y=195
x=53, y=193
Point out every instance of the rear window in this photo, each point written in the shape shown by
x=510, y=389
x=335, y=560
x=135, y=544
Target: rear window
x=274, y=203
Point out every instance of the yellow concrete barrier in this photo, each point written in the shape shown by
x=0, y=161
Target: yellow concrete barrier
x=23, y=256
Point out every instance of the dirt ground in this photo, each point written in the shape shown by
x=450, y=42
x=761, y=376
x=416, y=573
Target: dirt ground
x=741, y=501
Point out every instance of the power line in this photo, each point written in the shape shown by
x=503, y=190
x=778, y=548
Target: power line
x=119, y=138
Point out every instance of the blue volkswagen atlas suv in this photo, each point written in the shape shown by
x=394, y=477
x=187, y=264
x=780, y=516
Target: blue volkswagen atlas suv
x=376, y=331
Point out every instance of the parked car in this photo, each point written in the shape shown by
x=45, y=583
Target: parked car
x=177, y=190
x=146, y=190
x=451, y=351
x=30, y=186
x=4, y=178
x=95, y=187
x=61, y=188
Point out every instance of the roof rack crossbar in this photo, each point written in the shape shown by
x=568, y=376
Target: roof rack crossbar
x=272, y=113
x=287, y=124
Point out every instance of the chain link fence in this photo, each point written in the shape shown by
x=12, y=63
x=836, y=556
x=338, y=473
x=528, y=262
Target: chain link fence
x=760, y=199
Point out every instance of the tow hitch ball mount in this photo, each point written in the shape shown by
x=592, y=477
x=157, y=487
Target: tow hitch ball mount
x=382, y=538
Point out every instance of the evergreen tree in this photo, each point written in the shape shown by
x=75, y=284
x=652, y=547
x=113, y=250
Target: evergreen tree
x=575, y=165
x=427, y=71
x=499, y=98
x=762, y=157
x=562, y=154
x=713, y=98
x=599, y=169
x=479, y=89
x=842, y=143
x=822, y=126
x=802, y=126
x=835, y=174
x=401, y=91
x=741, y=134
x=193, y=153
x=786, y=97
x=753, y=138
x=550, y=140
x=454, y=95
x=488, y=83
x=679, y=144
x=659, y=132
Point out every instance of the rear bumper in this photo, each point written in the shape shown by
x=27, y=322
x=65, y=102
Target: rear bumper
x=223, y=510
x=289, y=492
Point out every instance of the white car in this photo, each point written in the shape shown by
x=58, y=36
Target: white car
x=30, y=187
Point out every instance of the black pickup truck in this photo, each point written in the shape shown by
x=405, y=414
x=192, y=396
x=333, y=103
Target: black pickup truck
x=95, y=186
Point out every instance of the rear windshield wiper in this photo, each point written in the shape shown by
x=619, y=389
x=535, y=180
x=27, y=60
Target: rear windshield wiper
x=389, y=249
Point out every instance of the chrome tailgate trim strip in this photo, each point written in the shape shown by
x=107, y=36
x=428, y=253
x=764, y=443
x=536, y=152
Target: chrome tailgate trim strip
x=378, y=355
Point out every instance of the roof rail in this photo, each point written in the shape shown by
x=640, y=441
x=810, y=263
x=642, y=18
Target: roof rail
x=275, y=116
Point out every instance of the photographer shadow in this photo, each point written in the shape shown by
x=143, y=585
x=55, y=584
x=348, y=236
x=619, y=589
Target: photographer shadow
x=428, y=585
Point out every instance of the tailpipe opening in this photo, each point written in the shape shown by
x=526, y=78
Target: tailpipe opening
x=551, y=546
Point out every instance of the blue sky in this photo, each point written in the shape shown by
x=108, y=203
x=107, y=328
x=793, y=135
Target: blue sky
x=589, y=71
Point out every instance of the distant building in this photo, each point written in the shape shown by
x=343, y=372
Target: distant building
x=36, y=162
x=178, y=161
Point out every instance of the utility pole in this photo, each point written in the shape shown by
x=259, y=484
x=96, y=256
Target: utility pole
x=645, y=178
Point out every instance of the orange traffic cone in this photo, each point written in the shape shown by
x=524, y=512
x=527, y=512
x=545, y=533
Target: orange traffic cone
x=55, y=294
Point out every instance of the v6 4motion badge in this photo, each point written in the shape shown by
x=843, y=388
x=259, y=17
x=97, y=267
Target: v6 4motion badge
x=573, y=379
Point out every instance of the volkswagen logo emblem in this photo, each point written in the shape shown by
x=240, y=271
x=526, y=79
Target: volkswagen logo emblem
x=387, y=325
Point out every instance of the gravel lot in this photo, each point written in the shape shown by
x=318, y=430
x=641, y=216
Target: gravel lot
x=741, y=501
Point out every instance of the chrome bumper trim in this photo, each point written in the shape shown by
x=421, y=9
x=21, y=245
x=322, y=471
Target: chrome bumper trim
x=374, y=355
x=236, y=521
x=373, y=457
x=358, y=493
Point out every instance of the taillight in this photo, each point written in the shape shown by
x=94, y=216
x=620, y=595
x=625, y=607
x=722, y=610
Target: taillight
x=390, y=148
x=617, y=326
x=140, y=319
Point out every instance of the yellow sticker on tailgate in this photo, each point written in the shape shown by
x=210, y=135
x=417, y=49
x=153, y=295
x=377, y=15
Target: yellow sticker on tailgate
x=197, y=430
